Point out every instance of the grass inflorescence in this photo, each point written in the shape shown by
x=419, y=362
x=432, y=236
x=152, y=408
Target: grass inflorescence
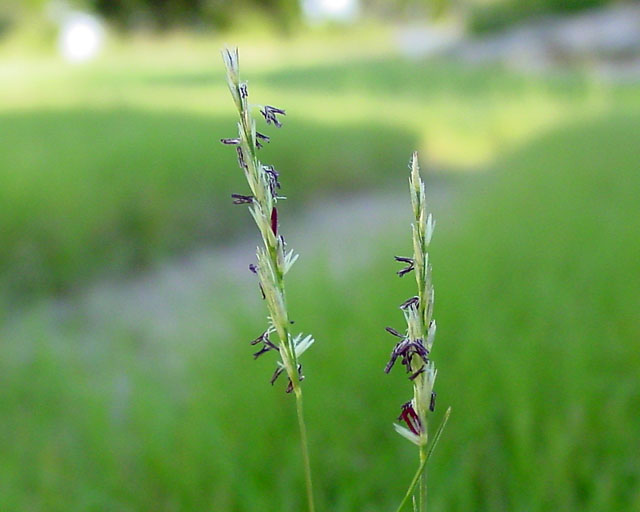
x=273, y=260
x=414, y=347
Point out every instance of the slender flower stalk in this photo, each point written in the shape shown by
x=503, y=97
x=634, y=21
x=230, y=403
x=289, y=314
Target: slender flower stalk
x=414, y=345
x=273, y=260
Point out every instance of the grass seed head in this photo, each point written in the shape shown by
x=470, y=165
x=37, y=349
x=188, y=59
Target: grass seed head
x=273, y=260
x=414, y=348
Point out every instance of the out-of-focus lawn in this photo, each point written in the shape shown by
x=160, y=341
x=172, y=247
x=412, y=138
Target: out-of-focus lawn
x=537, y=299
x=536, y=273
x=108, y=167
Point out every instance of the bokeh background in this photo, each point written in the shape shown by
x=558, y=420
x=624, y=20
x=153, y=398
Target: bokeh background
x=126, y=306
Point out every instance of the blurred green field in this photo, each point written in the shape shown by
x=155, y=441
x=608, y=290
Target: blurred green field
x=109, y=167
x=535, y=267
x=537, y=300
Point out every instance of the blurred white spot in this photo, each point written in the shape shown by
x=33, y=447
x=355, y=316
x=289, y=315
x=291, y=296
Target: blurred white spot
x=331, y=10
x=81, y=37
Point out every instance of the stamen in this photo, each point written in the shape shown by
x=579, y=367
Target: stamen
x=408, y=268
x=412, y=302
x=259, y=338
x=410, y=417
x=241, y=162
x=240, y=199
x=274, y=221
x=263, y=350
x=259, y=138
x=414, y=375
x=391, y=330
x=272, y=176
x=276, y=374
x=397, y=351
x=269, y=344
x=270, y=113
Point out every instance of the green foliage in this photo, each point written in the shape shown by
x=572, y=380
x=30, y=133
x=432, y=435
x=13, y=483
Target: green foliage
x=486, y=17
x=542, y=309
x=91, y=193
x=537, y=301
x=216, y=13
x=97, y=182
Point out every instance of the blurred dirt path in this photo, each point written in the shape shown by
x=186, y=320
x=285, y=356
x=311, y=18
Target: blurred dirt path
x=190, y=290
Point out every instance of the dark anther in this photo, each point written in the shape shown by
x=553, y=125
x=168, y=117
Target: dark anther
x=408, y=268
x=260, y=338
x=268, y=345
x=420, y=349
x=241, y=162
x=412, y=302
x=254, y=269
x=270, y=113
x=276, y=374
x=272, y=176
x=300, y=379
x=407, y=349
x=432, y=403
x=230, y=142
x=261, y=137
x=267, y=342
x=271, y=171
x=263, y=350
x=392, y=361
x=415, y=374
x=240, y=199
x=244, y=92
x=274, y=221
x=410, y=417
x=391, y=330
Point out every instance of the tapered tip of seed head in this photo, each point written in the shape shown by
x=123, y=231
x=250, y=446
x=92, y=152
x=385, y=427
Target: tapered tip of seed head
x=230, y=57
x=413, y=165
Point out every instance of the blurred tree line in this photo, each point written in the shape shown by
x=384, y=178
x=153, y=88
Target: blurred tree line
x=482, y=15
x=158, y=14
x=217, y=13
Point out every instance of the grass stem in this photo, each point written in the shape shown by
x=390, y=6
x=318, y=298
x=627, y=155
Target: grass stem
x=304, y=445
x=422, y=507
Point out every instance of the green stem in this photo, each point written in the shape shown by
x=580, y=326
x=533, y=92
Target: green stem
x=304, y=445
x=422, y=507
x=412, y=486
x=423, y=463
